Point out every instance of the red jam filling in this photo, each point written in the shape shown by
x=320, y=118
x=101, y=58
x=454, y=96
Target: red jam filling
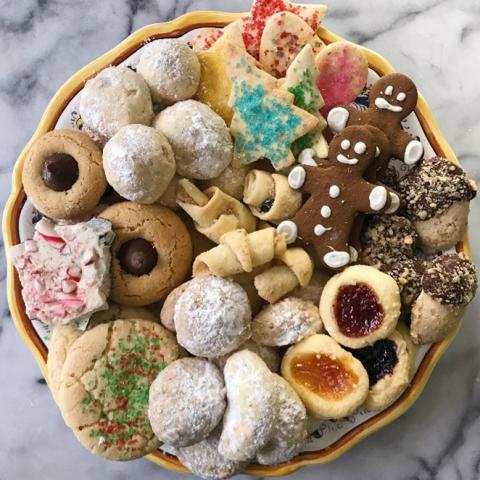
x=323, y=375
x=357, y=310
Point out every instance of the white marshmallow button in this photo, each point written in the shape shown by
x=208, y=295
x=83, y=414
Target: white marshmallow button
x=378, y=198
x=334, y=191
x=296, y=178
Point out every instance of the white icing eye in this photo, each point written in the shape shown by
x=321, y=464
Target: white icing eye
x=389, y=90
x=360, y=148
x=377, y=152
x=325, y=211
x=401, y=97
x=345, y=144
x=334, y=191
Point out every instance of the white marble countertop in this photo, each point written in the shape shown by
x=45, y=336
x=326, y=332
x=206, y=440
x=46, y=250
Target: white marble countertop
x=436, y=42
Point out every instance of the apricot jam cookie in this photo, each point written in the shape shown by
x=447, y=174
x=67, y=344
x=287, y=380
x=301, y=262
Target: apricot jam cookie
x=63, y=175
x=186, y=401
x=104, y=387
x=331, y=382
x=389, y=366
x=151, y=254
x=360, y=306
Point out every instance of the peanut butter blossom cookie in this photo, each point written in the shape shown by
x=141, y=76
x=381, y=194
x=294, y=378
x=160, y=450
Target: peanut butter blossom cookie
x=63, y=175
x=105, y=382
x=151, y=254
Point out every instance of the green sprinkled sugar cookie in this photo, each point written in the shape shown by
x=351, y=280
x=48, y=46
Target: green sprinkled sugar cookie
x=105, y=382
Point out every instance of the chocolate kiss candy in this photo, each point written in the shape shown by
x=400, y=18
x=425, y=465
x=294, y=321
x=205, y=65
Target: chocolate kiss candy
x=137, y=257
x=60, y=172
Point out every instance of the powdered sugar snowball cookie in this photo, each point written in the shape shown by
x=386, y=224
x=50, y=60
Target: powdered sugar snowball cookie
x=116, y=97
x=62, y=338
x=212, y=317
x=286, y=322
x=270, y=355
x=167, y=313
x=139, y=163
x=252, y=406
x=290, y=430
x=186, y=402
x=199, y=137
x=203, y=459
x=171, y=69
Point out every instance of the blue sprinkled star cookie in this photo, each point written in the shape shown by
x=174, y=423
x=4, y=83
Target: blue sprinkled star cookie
x=265, y=121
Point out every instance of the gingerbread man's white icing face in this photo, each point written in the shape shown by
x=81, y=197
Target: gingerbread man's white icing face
x=353, y=152
x=398, y=97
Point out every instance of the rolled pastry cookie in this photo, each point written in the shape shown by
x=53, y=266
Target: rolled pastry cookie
x=240, y=251
x=270, y=197
x=295, y=269
x=213, y=211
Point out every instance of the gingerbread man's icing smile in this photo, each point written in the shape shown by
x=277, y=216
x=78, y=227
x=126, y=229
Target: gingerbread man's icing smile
x=392, y=98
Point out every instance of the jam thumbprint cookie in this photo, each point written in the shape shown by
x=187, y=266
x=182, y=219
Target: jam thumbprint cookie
x=63, y=175
x=151, y=254
x=360, y=306
x=331, y=382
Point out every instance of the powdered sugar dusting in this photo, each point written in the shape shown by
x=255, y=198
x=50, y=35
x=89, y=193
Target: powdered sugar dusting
x=252, y=406
x=212, y=317
x=199, y=137
x=187, y=401
x=286, y=322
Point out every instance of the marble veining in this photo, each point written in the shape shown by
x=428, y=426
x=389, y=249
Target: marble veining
x=436, y=42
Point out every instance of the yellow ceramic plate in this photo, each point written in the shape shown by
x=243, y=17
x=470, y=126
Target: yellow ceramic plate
x=422, y=123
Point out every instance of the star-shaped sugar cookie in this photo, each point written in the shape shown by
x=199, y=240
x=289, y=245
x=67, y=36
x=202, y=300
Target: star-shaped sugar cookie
x=301, y=81
x=215, y=86
x=261, y=10
x=265, y=121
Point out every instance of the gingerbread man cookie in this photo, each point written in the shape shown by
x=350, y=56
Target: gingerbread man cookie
x=337, y=192
x=392, y=98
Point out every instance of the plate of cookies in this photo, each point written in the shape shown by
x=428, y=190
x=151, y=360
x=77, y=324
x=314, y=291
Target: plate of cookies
x=237, y=243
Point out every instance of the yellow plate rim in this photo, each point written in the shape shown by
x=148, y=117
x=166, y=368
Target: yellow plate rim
x=177, y=27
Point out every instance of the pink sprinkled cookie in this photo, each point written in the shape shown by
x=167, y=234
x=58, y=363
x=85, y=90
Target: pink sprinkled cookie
x=343, y=71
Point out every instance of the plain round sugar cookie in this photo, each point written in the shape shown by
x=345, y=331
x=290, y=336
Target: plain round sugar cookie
x=186, y=401
x=360, y=306
x=104, y=387
x=62, y=338
x=212, y=317
x=139, y=163
x=171, y=70
x=151, y=253
x=63, y=175
x=252, y=407
x=331, y=382
x=270, y=355
x=286, y=322
x=120, y=312
x=204, y=460
x=116, y=97
x=290, y=430
x=167, y=314
x=199, y=137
